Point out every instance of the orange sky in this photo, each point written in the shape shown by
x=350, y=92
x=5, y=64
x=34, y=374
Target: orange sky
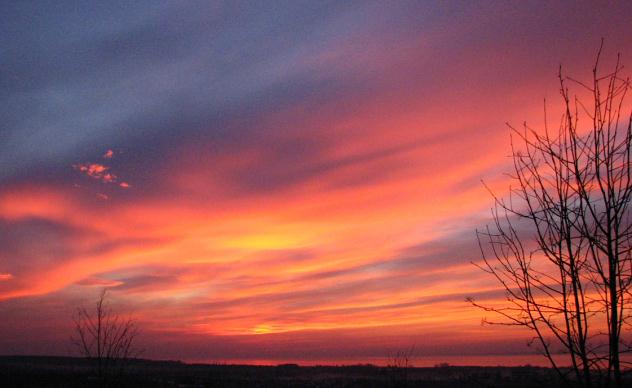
x=315, y=199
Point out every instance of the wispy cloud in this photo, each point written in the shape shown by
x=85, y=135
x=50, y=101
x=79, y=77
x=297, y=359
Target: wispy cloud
x=5, y=276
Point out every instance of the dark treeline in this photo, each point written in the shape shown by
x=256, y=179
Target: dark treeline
x=27, y=371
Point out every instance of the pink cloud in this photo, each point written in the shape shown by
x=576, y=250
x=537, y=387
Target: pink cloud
x=108, y=178
x=96, y=171
x=99, y=282
x=5, y=277
x=100, y=172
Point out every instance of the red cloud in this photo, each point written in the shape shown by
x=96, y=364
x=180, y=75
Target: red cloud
x=5, y=276
x=96, y=171
x=96, y=281
x=100, y=171
x=108, y=178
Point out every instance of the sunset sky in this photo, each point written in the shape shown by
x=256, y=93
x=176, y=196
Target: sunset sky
x=271, y=181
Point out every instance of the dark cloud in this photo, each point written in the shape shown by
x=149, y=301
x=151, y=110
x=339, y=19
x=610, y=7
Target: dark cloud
x=144, y=76
x=146, y=281
x=31, y=247
x=415, y=261
x=79, y=76
x=36, y=242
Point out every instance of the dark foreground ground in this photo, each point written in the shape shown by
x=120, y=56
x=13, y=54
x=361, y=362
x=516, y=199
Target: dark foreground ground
x=25, y=371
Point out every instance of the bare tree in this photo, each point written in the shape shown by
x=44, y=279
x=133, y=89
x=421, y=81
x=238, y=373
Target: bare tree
x=560, y=243
x=105, y=338
x=399, y=364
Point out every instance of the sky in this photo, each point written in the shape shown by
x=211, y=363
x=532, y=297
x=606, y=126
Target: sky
x=271, y=181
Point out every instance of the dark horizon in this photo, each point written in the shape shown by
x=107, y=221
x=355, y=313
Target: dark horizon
x=29, y=371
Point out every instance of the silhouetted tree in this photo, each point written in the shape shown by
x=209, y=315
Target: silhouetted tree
x=399, y=364
x=105, y=338
x=560, y=244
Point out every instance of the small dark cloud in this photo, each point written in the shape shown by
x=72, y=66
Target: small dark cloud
x=35, y=242
x=34, y=246
x=146, y=282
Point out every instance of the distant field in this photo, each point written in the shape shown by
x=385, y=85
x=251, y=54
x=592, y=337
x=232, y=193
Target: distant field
x=418, y=361
x=26, y=371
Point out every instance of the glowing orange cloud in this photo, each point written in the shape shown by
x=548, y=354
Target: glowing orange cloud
x=101, y=173
x=96, y=171
x=355, y=237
